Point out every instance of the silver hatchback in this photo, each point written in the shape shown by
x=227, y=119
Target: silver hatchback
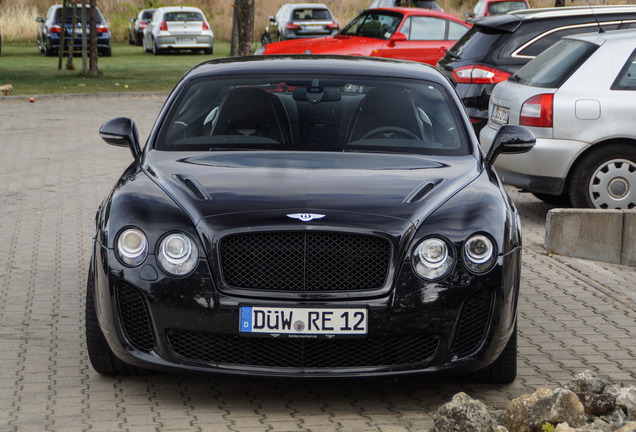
x=178, y=28
x=579, y=99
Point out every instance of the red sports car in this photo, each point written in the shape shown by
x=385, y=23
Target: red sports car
x=401, y=33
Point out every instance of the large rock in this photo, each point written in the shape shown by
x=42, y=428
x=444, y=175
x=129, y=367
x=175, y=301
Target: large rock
x=464, y=414
x=529, y=413
x=625, y=398
x=588, y=382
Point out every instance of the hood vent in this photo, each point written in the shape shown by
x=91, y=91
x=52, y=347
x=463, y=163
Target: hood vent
x=422, y=190
x=193, y=187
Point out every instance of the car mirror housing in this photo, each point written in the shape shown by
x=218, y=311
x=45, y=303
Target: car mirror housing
x=397, y=37
x=122, y=132
x=510, y=139
x=39, y=19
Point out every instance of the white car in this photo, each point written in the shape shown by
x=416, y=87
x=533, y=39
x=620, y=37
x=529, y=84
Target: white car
x=177, y=28
x=579, y=99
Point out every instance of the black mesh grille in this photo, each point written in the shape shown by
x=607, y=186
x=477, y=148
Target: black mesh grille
x=305, y=261
x=473, y=323
x=135, y=318
x=302, y=353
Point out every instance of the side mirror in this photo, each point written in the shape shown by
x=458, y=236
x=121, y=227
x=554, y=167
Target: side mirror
x=510, y=139
x=39, y=19
x=122, y=132
x=397, y=37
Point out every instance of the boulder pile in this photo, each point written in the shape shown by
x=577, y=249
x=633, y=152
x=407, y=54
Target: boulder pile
x=588, y=403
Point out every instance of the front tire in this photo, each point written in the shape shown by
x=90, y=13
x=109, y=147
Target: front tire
x=605, y=178
x=100, y=355
x=558, y=200
x=504, y=369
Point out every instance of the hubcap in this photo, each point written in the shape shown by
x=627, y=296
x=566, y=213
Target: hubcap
x=613, y=185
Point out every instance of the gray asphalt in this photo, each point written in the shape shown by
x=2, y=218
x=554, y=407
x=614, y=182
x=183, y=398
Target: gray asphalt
x=54, y=170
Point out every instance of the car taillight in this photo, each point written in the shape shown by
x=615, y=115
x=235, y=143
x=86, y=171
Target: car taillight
x=537, y=111
x=55, y=29
x=102, y=29
x=292, y=26
x=143, y=25
x=333, y=26
x=163, y=26
x=479, y=74
x=205, y=26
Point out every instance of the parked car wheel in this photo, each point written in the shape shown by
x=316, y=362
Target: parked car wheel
x=107, y=52
x=101, y=356
x=561, y=200
x=504, y=369
x=155, y=49
x=208, y=51
x=605, y=178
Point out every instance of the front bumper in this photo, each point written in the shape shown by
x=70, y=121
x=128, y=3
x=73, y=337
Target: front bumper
x=544, y=169
x=157, y=322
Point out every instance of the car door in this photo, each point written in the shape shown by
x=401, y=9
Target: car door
x=427, y=39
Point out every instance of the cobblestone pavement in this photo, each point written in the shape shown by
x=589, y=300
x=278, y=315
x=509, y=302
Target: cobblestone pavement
x=54, y=171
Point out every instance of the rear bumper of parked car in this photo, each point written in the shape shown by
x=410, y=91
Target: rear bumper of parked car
x=173, y=42
x=544, y=169
x=103, y=41
x=159, y=323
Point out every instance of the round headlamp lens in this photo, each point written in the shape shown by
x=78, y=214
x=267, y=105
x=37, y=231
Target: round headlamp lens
x=479, y=253
x=177, y=255
x=132, y=247
x=432, y=259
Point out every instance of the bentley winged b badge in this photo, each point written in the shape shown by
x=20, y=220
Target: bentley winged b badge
x=305, y=217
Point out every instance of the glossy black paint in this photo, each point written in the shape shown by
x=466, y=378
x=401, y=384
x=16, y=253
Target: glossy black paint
x=368, y=193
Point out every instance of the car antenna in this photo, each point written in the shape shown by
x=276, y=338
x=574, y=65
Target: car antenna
x=600, y=29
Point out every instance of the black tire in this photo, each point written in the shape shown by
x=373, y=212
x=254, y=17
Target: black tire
x=617, y=190
x=100, y=355
x=558, y=200
x=503, y=370
x=209, y=51
x=107, y=52
x=156, y=51
x=131, y=41
x=48, y=52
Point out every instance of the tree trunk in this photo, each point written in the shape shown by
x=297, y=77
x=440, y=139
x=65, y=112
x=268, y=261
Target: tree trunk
x=236, y=23
x=84, y=40
x=246, y=31
x=93, y=69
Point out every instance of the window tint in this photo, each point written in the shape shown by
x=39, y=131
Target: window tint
x=475, y=43
x=626, y=80
x=78, y=15
x=550, y=39
x=314, y=113
x=427, y=28
x=311, y=14
x=183, y=16
x=555, y=65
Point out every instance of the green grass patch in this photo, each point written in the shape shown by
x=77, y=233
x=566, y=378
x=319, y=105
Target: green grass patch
x=128, y=70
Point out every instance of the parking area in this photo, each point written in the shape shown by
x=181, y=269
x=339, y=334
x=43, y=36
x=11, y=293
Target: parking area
x=54, y=170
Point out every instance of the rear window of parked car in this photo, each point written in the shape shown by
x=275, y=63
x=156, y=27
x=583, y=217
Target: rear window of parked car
x=553, y=67
x=78, y=14
x=503, y=7
x=183, y=16
x=310, y=14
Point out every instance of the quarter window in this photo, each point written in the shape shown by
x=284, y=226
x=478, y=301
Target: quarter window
x=626, y=80
x=547, y=40
x=427, y=28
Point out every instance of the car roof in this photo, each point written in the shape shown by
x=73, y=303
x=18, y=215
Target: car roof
x=417, y=11
x=335, y=65
x=608, y=36
x=178, y=8
x=570, y=11
x=308, y=5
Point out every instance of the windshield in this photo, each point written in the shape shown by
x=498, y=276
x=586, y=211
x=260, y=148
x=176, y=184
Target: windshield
x=502, y=7
x=317, y=113
x=374, y=24
x=554, y=66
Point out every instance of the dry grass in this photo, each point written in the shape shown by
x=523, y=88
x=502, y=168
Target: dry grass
x=18, y=20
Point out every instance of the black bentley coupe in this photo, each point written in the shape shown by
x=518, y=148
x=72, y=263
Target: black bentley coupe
x=307, y=217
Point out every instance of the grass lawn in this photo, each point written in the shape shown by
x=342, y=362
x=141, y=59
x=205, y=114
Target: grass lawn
x=129, y=69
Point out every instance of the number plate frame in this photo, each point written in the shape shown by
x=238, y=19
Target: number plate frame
x=303, y=322
x=500, y=115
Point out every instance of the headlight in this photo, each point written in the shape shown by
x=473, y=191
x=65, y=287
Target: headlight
x=132, y=247
x=177, y=254
x=479, y=253
x=433, y=259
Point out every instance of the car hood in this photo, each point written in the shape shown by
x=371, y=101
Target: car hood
x=400, y=187
x=339, y=44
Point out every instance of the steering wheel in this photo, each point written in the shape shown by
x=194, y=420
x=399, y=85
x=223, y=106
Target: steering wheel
x=395, y=130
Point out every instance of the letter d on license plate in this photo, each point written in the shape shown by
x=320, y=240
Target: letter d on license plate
x=303, y=321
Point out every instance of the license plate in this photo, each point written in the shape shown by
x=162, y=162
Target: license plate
x=500, y=114
x=302, y=321
x=312, y=27
x=186, y=40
